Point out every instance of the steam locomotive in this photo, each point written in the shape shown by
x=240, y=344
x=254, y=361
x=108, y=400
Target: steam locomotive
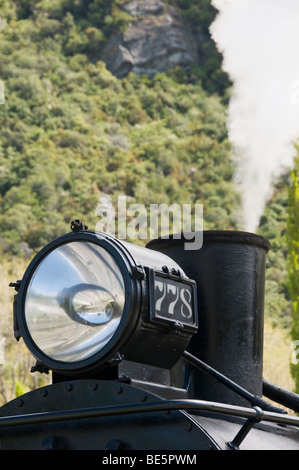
x=152, y=348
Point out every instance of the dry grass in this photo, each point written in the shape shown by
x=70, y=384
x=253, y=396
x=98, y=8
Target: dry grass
x=277, y=353
x=11, y=271
x=15, y=377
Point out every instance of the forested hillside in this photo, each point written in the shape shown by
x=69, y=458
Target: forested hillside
x=71, y=132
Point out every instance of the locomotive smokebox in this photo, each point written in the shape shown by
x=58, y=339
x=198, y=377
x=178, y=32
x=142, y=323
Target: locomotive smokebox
x=229, y=270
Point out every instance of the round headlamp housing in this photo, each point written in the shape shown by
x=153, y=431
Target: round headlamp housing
x=88, y=300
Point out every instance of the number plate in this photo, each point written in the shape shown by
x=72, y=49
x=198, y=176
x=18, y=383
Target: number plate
x=173, y=301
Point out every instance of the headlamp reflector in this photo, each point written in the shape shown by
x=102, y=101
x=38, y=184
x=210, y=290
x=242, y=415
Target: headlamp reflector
x=74, y=301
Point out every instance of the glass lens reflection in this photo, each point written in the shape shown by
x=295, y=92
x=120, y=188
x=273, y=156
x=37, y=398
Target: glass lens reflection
x=74, y=301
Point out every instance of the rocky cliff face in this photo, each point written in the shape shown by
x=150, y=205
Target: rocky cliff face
x=157, y=39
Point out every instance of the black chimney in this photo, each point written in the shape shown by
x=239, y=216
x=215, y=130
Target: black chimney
x=229, y=270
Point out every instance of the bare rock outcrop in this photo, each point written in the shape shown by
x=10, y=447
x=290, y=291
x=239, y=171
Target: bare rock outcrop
x=157, y=39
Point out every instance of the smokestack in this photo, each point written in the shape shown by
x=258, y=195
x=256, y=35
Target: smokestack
x=229, y=271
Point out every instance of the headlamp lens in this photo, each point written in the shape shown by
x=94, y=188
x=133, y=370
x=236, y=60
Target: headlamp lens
x=74, y=301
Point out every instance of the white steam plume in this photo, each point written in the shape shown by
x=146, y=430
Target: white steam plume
x=259, y=41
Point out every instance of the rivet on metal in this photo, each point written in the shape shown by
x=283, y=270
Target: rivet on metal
x=68, y=387
x=187, y=426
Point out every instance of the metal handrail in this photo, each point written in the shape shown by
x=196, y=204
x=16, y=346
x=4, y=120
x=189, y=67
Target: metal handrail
x=164, y=405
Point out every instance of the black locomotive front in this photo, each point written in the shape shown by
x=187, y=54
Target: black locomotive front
x=149, y=348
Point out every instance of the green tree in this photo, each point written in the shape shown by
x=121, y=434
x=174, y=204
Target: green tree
x=293, y=264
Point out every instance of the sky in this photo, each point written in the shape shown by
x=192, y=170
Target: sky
x=259, y=41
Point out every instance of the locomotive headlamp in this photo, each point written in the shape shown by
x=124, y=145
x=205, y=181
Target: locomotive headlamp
x=87, y=300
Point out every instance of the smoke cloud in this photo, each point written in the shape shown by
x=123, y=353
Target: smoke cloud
x=259, y=41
